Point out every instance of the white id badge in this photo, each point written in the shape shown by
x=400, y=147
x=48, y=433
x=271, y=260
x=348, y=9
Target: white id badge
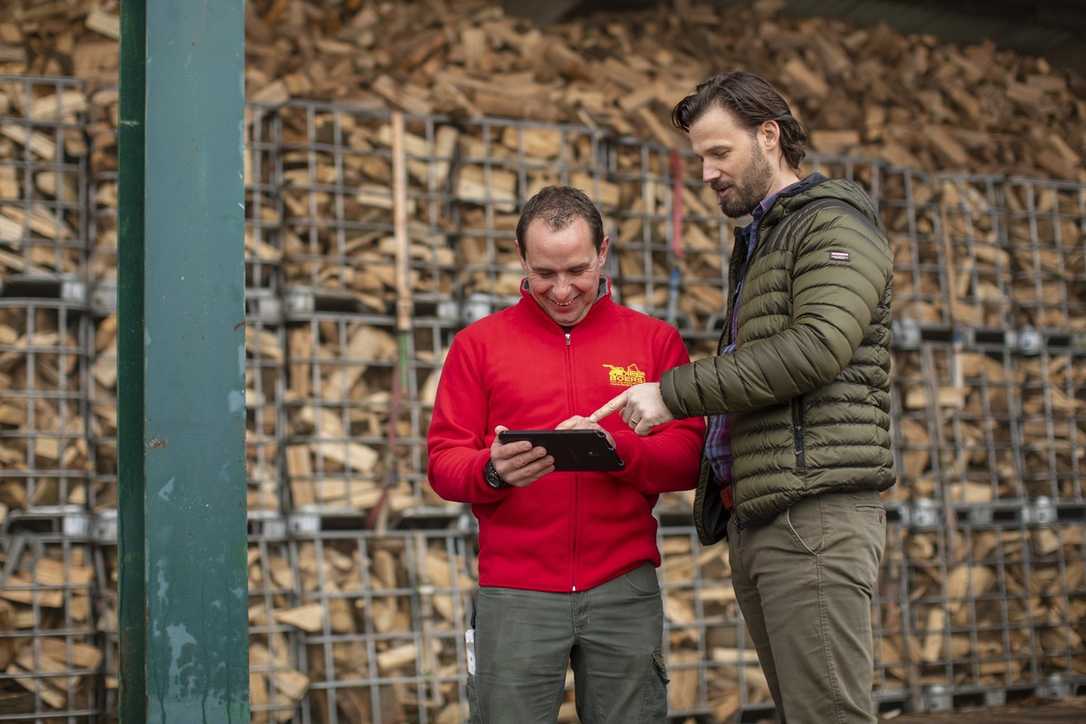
x=469, y=641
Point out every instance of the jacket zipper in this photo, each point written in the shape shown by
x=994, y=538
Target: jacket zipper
x=797, y=433
x=573, y=541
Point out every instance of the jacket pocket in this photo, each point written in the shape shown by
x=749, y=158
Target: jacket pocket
x=797, y=435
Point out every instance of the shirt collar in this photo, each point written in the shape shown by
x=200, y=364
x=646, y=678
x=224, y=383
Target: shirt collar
x=761, y=209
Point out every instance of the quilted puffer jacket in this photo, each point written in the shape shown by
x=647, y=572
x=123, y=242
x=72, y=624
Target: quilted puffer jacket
x=808, y=384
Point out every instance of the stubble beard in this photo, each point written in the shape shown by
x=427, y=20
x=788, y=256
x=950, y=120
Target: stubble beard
x=750, y=189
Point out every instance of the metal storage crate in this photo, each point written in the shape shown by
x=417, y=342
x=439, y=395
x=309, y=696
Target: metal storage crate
x=1044, y=234
x=43, y=176
x=43, y=403
x=994, y=610
x=336, y=190
x=388, y=644
x=338, y=453
x=49, y=646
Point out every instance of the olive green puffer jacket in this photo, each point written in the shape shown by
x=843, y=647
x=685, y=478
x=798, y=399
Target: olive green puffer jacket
x=808, y=383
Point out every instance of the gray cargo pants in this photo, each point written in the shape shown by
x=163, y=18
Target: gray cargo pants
x=611, y=634
x=804, y=583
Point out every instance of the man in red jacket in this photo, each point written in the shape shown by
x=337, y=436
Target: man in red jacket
x=566, y=559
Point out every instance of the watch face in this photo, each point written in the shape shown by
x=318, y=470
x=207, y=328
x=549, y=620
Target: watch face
x=492, y=478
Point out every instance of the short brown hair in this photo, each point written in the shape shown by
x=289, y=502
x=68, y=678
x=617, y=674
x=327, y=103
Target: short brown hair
x=558, y=206
x=753, y=101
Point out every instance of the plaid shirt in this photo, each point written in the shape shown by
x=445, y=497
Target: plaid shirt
x=718, y=448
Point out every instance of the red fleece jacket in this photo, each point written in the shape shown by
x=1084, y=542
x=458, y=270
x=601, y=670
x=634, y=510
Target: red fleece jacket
x=518, y=368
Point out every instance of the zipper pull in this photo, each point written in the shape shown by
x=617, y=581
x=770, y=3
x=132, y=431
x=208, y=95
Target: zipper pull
x=567, y=339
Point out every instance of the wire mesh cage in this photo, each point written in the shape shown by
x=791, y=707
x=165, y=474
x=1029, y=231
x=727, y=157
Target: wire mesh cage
x=356, y=443
x=337, y=202
x=49, y=647
x=1045, y=224
x=265, y=392
x=277, y=684
x=710, y=659
x=672, y=243
x=995, y=608
x=43, y=403
x=43, y=176
x=987, y=402
x=385, y=632
x=955, y=416
x=499, y=166
x=1052, y=423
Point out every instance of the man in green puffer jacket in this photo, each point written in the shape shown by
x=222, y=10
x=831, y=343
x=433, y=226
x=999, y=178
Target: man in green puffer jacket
x=798, y=401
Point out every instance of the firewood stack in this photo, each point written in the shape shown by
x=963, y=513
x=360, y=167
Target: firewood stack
x=43, y=444
x=49, y=653
x=1019, y=586
x=866, y=91
x=990, y=295
x=988, y=425
x=381, y=620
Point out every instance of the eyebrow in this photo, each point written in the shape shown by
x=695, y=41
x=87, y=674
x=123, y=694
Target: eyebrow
x=580, y=265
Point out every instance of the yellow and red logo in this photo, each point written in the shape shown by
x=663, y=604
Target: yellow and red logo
x=625, y=376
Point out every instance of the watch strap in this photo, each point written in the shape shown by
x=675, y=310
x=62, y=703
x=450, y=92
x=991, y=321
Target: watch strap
x=493, y=477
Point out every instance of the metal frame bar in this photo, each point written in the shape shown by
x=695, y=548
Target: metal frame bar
x=181, y=363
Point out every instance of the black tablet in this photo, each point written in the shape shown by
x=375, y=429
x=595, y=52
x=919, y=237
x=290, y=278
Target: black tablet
x=571, y=449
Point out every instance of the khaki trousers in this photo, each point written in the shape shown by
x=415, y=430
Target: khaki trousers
x=804, y=583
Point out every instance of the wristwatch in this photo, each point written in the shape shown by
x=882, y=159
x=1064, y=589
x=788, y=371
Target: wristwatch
x=493, y=477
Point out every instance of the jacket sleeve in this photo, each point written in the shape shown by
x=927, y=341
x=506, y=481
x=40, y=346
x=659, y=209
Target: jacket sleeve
x=669, y=458
x=457, y=437
x=832, y=306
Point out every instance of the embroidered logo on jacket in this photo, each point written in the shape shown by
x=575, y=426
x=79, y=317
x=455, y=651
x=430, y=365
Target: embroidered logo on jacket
x=625, y=376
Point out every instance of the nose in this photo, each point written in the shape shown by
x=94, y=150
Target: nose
x=708, y=173
x=563, y=286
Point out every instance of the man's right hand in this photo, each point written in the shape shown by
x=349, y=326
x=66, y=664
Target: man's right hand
x=519, y=463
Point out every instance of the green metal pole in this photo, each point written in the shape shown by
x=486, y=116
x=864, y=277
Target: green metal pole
x=181, y=363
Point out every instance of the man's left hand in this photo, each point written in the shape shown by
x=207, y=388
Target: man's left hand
x=584, y=423
x=642, y=408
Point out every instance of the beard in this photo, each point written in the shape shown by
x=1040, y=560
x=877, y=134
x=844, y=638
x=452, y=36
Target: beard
x=749, y=188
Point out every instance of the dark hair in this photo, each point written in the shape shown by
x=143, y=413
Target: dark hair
x=753, y=101
x=558, y=206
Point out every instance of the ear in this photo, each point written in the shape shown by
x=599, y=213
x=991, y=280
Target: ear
x=605, y=245
x=769, y=133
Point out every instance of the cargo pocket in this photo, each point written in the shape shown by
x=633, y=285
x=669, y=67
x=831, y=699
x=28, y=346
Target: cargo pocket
x=654, y=704
x=474, y=716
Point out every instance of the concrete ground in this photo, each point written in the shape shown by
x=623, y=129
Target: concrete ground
x=1069, y=712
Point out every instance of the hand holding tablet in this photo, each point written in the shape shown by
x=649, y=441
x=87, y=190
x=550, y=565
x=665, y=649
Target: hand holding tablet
x=572, y=450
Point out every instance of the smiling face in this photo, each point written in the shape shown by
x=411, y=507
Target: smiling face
x=734, y=162
x=563, y=269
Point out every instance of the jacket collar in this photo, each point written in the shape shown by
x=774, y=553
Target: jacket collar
x=775, y=209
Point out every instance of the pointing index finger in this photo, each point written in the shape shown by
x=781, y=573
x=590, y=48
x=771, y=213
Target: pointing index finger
x=610, y=408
